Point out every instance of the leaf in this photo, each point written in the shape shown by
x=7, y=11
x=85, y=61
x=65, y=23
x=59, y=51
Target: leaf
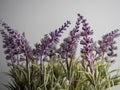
x=90, y=78
x=80, y=84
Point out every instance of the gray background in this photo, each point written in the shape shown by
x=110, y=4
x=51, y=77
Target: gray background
x=38, y=17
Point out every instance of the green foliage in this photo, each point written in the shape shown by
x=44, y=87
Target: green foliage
x=55, y=76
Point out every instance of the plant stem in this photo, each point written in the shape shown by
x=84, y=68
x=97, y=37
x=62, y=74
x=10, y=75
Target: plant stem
x=28, y=73
x=91, y=66
x=68, y=69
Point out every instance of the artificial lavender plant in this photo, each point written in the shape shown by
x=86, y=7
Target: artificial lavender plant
x=52, y=65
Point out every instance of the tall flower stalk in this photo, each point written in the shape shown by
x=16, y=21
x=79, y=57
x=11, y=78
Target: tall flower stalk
x=68, y=48
x=87, y=43
x=17, y=48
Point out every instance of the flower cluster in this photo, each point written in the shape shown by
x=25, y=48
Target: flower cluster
x=14, y=43
x=68, y=47
x=35, y=68
x=87, y=43
x=47, y=47
x=107, y=44
x=17, y=47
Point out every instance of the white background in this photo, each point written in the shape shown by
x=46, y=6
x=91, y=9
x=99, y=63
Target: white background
x=39, y=17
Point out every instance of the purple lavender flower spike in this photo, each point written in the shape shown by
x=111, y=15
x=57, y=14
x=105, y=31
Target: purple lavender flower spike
x=68, y=47
x=106, y=45
x=47, y=47
x=14, y=43
x=87, y=43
